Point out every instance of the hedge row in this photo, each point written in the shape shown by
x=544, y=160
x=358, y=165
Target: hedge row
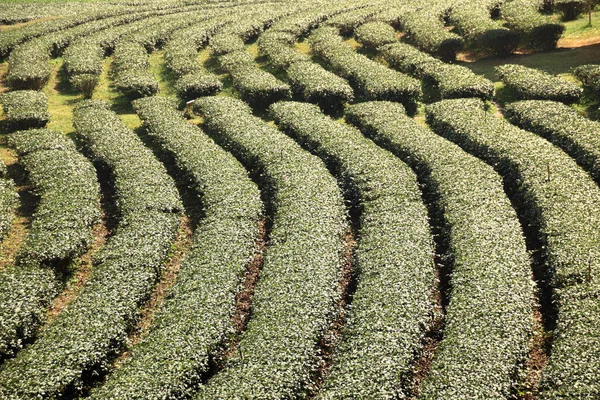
x=451, y=80
x=589, y=75
x=371, y=80
x=429, y=35
x=83, y=58
x=563, y=126
x=488, y=319
x=69, y=199
x=28, y=63
x=309, y=81
x=195, y=319
x=533, y=84
x=473, y=22
x=181, y=56
x=561, y=205
x=8, y=201
x=375, y=34
x=392, y=305
x=538, y=31
x=24, y=109
x=256, y=86
x=348, y=21
x=82, y=340
x=294, y=300
x=131, y=68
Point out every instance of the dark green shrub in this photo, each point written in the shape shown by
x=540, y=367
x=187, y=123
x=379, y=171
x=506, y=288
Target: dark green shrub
x=570, y=9
x=589, y=75
x=375, y=34
x=538, y=31
x=429, y=35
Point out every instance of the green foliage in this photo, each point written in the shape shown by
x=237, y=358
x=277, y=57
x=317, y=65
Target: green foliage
x=376, y=353
x=564, y=127
x=561, y=205
x=193, y=323
x=371, y=80
x=538, y=31
x=375, y=34
x=131, y=69
x=88, y=333
x=68, y=206
x=294, y=300
x=472, y=20
x=8, y=201
x=198, y=84
x=570, y=9
x=429, y=34
x=451, y=80
x=25, y=109
x=346, y=22
x=486, y=332
x=533, y=84
x=256, y=86
x=590, y=76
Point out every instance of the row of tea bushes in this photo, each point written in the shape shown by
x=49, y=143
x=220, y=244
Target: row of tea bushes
x=560, y=204
x=473, y=22
x=371, y=80
x=537, y=31
x=532, y=84
x=60, y=231
x=195, y=320
x=563, y=126
x=8, y=200
x=24, y=109
x=294, y=300
x=590, y=76
x=392, y=305
x=488, y=318
x=450, y=80
x=81, y=342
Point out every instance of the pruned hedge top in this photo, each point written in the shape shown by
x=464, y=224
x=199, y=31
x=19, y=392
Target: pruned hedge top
x=532, y=84
x=25, y=108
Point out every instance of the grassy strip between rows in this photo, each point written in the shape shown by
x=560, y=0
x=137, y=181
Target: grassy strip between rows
x=392, y=305
x=195, y=320
x=294, y=300
x=561, y=204
x=564, y=127
x=371, y=80
x=533, y=84
x=81, y=341
x=69, y=199
x=488, y=319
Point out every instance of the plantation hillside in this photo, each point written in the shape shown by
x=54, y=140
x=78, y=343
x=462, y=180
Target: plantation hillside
x=276, y=199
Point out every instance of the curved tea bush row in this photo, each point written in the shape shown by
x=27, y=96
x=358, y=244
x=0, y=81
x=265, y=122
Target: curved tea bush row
x=450, y=80
x=28, y=63
x=256, y=87
x=310, y=81
x=131, y=68
x=181, y=55
x=8, y=200
x=83, y=58
x=488, y=319
x=82, y=340
x=69, y=199
x=427, y=33
x=564, y=127
x=392, y=305
x=348, y=21
x=372, y=81
x=193, y=322
x=294, y=300
x=473, y=22
x=537, y=31
x=24, y=109
x=562, y=207
x=589, y=75
x=533, y=84
x=375, y=34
